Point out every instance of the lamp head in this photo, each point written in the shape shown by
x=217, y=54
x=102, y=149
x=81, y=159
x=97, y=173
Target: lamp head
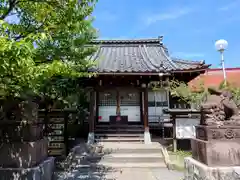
x=221, y=45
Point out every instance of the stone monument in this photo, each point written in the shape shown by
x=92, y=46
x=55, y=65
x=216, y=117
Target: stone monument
x=23, y=148
x=216, y=148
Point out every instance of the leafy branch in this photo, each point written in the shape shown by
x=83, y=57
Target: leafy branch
x=182, y=91
x=45, y=53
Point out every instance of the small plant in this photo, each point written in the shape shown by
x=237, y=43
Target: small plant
x=182, y=91
x=183, y=153
x=233, y=89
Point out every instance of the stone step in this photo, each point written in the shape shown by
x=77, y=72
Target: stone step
x=134, y=155
x=132, y=165
x=118, y=135
x=118, y=126
x=127, y=158
x=130, y=145
x=119, y=130
x=120, y=139
x=132, y=151
x=127, y=153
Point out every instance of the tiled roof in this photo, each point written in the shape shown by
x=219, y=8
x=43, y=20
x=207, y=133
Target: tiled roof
x=214, y=77
x=138, y=56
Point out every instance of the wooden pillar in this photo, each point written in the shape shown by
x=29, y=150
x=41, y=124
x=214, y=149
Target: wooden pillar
x=147, y=136
x=96, y=120
x=174, y=133
x=168, y=94
x=65, y=133
x=145, y=104
x=118, y=103
x=141, y=107
x=92, y=115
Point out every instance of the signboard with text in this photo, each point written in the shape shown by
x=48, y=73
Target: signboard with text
x=185, y=128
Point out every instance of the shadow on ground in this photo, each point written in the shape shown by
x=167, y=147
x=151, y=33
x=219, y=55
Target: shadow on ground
x=82, y=164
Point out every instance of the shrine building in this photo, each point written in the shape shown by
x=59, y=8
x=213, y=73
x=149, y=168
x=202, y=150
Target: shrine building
x=122, y=100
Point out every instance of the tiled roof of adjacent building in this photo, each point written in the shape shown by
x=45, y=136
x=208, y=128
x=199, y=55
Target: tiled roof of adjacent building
x=139, y=56
x=214, y=77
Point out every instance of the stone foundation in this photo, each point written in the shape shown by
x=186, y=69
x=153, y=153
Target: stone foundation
x=196, y=170
x=91, y=137
x=217, y=146
x=147, y=137
x=43, y=171
x=23, y=154
x=216, y=152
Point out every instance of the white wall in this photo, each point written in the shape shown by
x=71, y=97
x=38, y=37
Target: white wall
x=133, y=113
x=105, y=111
x=129, y=105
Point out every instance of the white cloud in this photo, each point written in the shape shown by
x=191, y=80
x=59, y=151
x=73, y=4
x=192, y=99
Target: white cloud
x=229, y=6
x=173, y=14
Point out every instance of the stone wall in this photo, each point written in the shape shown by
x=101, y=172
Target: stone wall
x=194, y=170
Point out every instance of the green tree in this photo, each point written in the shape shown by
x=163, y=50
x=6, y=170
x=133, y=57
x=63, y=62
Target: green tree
x=182, y=91
x=44, y=47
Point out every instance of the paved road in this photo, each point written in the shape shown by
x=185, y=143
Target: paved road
x=122, y=174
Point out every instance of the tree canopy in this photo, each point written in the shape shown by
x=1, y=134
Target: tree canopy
x=42, y=44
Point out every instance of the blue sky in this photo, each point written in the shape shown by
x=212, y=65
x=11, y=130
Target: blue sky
x=190, y=27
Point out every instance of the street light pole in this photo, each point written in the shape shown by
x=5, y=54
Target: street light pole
x=221, y=45
x=223, y=67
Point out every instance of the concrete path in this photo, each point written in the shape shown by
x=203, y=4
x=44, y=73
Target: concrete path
x=132, y=169
x=144, y=174
x=123, y=174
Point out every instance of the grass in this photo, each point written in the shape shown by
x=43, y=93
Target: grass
x=177, y=159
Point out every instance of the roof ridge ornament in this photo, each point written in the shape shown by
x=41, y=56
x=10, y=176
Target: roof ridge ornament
x=202, y=62
x=160, y=38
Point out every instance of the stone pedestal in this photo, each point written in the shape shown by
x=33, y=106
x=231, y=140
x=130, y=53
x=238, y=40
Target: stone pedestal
x=44, y=171
x=91, y=138
x=215, y=154
x=24, y=150
x=23, y=154
x=194, y=170
x=217, y=146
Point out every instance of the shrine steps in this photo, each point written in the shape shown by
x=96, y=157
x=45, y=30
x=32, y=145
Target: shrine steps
x=119, y=133
x=118, y=126
x=131, y=155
